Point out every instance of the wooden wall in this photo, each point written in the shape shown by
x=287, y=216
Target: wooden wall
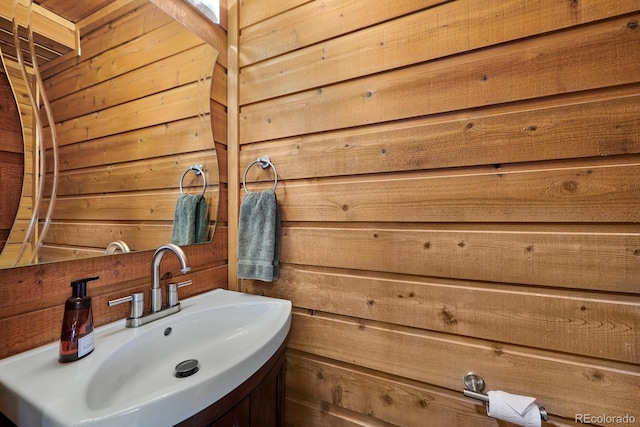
x=17, y=162
x=11, y=157
x=459, y=188
x=32, y=297
x=132, y=114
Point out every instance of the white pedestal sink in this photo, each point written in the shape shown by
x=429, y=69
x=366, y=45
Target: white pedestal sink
x=129, y=379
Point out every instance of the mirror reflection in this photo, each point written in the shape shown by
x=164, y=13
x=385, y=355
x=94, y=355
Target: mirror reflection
x=133, y=119
x=12, y=154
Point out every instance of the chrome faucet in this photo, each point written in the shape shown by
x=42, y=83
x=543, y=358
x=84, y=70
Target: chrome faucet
x=138, y=317
x=156, y=291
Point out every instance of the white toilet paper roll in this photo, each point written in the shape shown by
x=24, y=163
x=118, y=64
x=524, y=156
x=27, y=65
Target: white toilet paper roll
x=519, y=410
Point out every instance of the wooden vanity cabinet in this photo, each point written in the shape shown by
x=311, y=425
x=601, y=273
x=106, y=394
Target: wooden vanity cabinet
x=258, y=402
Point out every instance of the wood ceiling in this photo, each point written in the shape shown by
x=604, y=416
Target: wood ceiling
x=86, y=15
x=74, y=11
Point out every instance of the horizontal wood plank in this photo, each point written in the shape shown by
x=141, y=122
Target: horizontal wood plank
x=388, y=398
x=119, y=22
x=588, y=124
x=314, y=22
x=584, y=191
x=194, y=134
x=254, y=11
x=187, y=101
x=580, y=385
x=589, y=57
x=578, y=322
x=449, y=29
x=186, y=67
x=109, y=13
x=142, y=206
x=48, y=253
x=302, y=412
x=151, y=174
x=156, y=45
x=555, y=257
x=93, y=238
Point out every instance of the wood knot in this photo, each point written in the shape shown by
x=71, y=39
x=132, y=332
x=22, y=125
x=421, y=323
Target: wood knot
x=595, y=375
x=632, y=25
x=448, y=317
x=386, y=399
x=570, y=186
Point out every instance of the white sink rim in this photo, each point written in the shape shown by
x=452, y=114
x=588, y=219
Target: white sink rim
x=38, y=399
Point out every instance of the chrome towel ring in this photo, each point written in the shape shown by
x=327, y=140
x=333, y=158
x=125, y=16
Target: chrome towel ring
x=199, y=171
x=264, y=163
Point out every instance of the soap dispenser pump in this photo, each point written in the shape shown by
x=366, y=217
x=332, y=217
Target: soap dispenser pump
x=76, y=337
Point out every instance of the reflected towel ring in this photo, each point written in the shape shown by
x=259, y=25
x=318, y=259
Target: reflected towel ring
x=199, y=171
x=264, y=163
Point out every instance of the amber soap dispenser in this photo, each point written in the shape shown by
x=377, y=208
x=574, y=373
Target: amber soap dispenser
x=76, y=338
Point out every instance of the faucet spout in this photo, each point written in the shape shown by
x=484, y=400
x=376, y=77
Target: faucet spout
x=156, y=292
x=113, y=247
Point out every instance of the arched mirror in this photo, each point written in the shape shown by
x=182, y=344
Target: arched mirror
x=134, y=125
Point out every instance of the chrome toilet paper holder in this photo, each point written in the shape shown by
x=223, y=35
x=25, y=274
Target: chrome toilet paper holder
x=474, y=386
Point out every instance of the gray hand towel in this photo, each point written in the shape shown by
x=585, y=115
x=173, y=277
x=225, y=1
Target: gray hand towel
x=191, y=220
x=259, y=237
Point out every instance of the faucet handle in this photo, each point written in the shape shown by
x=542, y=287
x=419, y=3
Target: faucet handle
x=172, y=291
x=137, y=304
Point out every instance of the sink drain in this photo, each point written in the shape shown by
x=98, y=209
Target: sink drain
x=186, y=368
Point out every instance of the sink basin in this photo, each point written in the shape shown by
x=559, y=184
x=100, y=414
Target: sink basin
x=130, y=378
